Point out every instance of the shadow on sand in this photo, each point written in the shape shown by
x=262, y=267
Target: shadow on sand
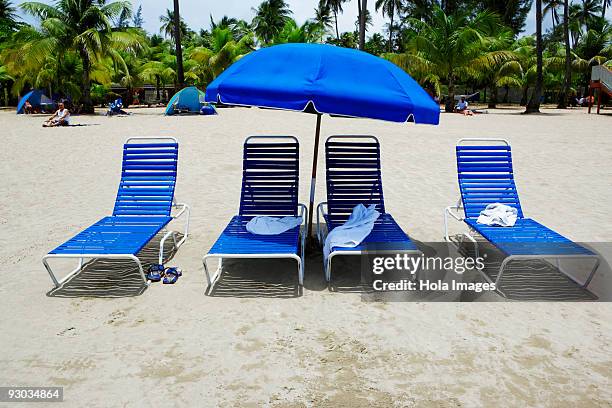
x=113, y=278
x=258, y=278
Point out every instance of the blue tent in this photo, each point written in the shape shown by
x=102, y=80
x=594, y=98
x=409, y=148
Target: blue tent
x=36, y=97
x=187, y=100
x=320, y=78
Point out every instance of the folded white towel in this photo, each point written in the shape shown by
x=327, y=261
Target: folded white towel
x=498, y=214
x=353, y=231
x=272, y=225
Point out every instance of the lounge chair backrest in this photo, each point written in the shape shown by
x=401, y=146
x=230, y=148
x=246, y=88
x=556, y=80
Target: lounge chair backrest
x=485, y=176
x=353, y=175
x=270, y=176
x=148, y=178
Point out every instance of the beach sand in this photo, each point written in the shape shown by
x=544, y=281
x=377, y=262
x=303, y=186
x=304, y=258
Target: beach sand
x=256, y=343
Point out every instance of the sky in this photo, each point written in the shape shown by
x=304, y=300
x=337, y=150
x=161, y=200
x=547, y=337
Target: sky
x=197, y=13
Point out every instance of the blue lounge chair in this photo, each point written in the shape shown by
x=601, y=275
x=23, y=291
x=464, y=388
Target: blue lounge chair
x=142, y=209
x=354, y=177
x=270, y=178
x=486, y=176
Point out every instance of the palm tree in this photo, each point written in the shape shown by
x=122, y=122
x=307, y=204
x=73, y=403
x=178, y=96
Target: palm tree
x=563, y=95
x=336, y=8
x=368, y=22
x=8, y=13
x=575, y=24
x=224, y=51
x=159, y=72
x=362, y=13
x=8, y=19
x=389, y=8
x=593, y=48
x=524, y=50
x=177, y=44
x=81, y=26
x=534, y=103
x=551, y=6
x=496, y=67
x=588, y=12
x=4, y=79
x=323, y=18
x=270, y=18
x=445, y=47
x=604, y=5
x=309, y=32
x=167, y=27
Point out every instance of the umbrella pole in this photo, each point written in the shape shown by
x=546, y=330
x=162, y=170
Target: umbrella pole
x=313, y=181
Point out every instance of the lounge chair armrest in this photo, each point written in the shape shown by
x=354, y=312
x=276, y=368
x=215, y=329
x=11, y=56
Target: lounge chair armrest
x=320, y=211
x=303, y=212
x=183, y=209
x=456, y=207
x=451, y=210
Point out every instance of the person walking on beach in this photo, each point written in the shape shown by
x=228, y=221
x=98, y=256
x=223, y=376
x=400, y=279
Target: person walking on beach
x=61, y=117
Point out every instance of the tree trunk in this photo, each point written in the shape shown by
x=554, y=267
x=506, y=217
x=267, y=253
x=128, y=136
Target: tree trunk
x=507, y=89
x=493, y=100
x=157, y=87
x=552, y=17
x=391, y=15
x=336, y=21
x=6, y=95
x=177, y=43
x=449, y=106
x=363, y=8
x=534, y=103
x=563, y=95
x=524, y=97
x=86, y=104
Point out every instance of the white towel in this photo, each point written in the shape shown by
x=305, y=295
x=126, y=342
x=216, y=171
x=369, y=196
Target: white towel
x=498, y=214
x=272, y=225
x=353, y=231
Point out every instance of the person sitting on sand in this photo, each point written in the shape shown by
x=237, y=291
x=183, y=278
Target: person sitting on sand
x=463, y=107
x=28, y=109
x=60, y=118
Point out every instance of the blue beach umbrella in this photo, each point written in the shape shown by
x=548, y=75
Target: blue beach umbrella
x=324, y=79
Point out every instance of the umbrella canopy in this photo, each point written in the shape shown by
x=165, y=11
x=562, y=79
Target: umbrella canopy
x=334, y=80
x=320, y=79
x=187, y=100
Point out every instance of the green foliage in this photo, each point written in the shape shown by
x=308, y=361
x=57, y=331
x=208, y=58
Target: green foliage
x=80, y=48
x=270, y=18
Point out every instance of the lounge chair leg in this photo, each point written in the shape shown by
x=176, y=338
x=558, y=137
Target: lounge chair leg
x=501, y=272
x=53, y=278
x=589, y=278
x=586, y=283
x=206, y=271
x=300, y=267
x=212, y=280
x=162, y=242
x=328, y=265
x=142, y=274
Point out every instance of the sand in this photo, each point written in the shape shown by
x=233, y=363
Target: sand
x=261, y=345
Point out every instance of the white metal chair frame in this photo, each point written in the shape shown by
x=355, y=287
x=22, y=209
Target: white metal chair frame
x=453, y=211
x=321, y=212
x=298, y=258
x=182, y=209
